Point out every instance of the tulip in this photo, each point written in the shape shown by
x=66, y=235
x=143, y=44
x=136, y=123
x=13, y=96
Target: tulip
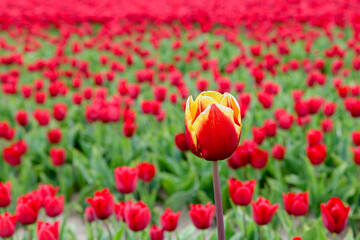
x=241, y=192
x=258, y=134
x=54, y=135
x=90, y=214
x=126, y=179
x=5, y=194
x=259, y=158
x=46, y=190
x=48, y=231
x=356, y=138
x=7, y=225
x=146, y=171
x=22, y=118
x=156, y=233
x=27, y=208
x=316, y=154
x=296, y=204
x=137, y=216
x=327, y=125
x=180, y=142
x=129, y=128
x=103, y=204
x=270, y=128
x=119, y=211
x=202, y=215
x=263, y=211
x=57, y=156
x=334, y=215
x=54, y=206
x=242, y=154
x=212, y=125
x=314, y=137
x=169, y=220
x=356, y=152
x=278, y=151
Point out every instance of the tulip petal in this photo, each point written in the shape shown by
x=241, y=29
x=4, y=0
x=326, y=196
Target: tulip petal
x=229, y=101
x=217, y=132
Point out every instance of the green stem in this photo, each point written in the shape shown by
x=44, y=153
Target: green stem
x=244, y=221
x=106, y=222
x=218, y=203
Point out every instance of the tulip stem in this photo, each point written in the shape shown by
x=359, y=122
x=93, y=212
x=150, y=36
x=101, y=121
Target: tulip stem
x=30, y=233
x=244, y=221
x=108, y=228
x=218, y=203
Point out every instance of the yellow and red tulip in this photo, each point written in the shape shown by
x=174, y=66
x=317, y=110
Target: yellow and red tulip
x=212, y=125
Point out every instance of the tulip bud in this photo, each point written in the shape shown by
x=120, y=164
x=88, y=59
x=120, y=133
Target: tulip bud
x=263, y=211
x=296, y=204
x=169, y=220
x=202, y=216
x=7, y=225
x=126, y=179
x=102, y=203
x=137, y=216
x=241, y=192
x=334, y=215
x=212, y=125
x=46, y=231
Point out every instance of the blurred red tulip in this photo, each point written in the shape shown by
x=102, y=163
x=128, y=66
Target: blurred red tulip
x=202, y=216
x=263, y=211
x=334, y=215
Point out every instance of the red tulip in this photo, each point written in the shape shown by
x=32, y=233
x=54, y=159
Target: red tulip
x=259, y=158
x=54, y=135
x=59, y=111
x=258, y=134
x=180, y=142
x=156, y=233
x=5, y=194
x=329, y=108
x=126, y=179
x=270, y=128
x=57, y=156
x=169, y=220
x=263, y=211
x=146, y=171
x=90, y=214
x=27, y=208
x=137, y=216
x=48, y=231
x=21, y=117
x=327, y=125
x=242, y=154
x=7, y=225
x=46, y=190
x=278, y=151
x=241, y=192
x=334, y=215
x=356, y=138
x=129, y=128
x=314, y=137
x=356, y=155
x=212, y=125
x=202, y=216
x=265, y=99
x=316, y=154
x=103, y=204
x=54, y=205
x=42, y=116
x=296, y=204
x=119, y=211
x=160, y=93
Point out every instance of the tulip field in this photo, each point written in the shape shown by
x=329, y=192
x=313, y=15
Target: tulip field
x=180, y=120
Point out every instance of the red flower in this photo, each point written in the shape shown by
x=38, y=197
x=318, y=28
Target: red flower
x=57, y=156
x=90, y=214
x=259, y=158
x=263, y=211
x=146, y=171
x=126, y=179
x=202, y=216
x=278, y=151
x=54, y=206
x=137, y=216
x=156, y=233
x=160, y=93
x=47, y=190
x=356, y=158
x=22, y=118
x=270, y=128
x=103, y=203
x=59, y=111
x=48, y=231
x=7, y=225
x=241, y=192
x=334, y=215
x=258, y=134
x=327, y=125
x=27, y=208
x=296, y=203
x=356, y=137
x=242, y=154
x=54, y=135
x=180, y=142
x=169, y=220
x=42, y=116
x=316, y=154
x=265, y=99
x=119, y=211
x=314, y=137
x=5, y=194
x=129, y=128
x=329, y=108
